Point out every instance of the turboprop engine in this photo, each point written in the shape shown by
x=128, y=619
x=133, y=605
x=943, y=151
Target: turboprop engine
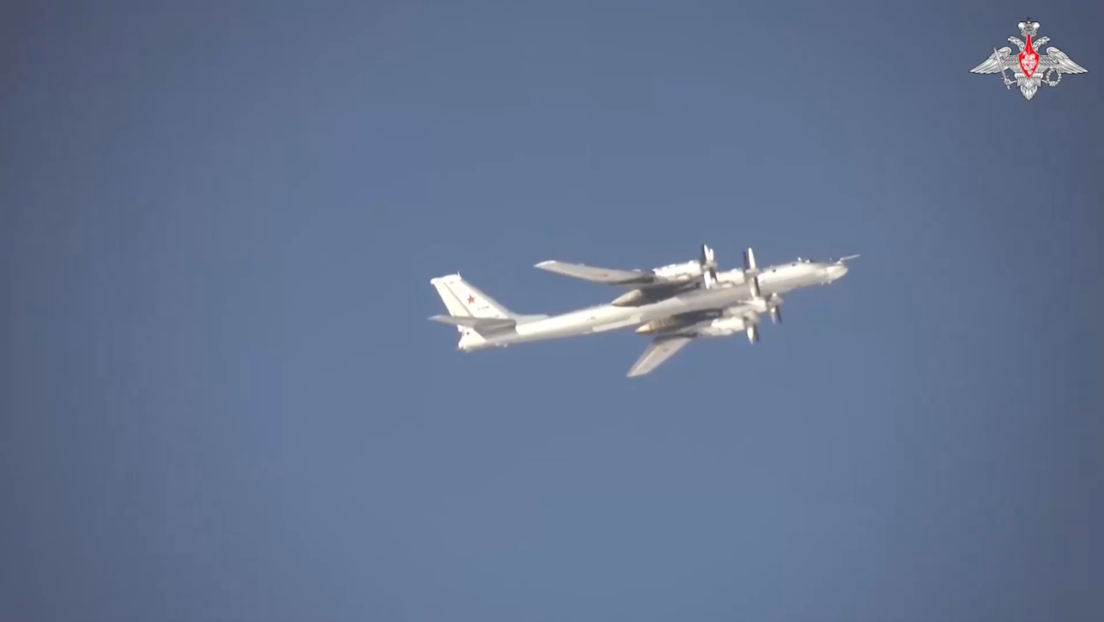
x=643, y=296
x=672, y=279
x=679, y=271
x=725, y=327
x=661, y=325
x=676, y=322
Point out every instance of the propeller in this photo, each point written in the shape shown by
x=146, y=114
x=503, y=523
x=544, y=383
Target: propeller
x=708, y=263
x=751, y=272
x=768, y=305
x=749, y=261
x=708, y=257
x=771, y=305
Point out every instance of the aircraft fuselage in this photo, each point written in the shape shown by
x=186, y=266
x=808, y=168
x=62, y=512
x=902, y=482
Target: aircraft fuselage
x=731, y=290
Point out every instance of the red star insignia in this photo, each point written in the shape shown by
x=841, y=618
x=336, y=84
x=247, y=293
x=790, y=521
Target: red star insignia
x=471, y=299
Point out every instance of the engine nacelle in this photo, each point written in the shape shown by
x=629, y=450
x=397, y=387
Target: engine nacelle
x=676, y=322
x=679, y=271
x=724, y=327
x=734, y=277
x=648, y=295
x=662, y=324
x=631, y=299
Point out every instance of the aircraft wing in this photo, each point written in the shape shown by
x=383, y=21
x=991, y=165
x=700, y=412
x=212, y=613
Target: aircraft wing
x=659, y=351
x=607, y=276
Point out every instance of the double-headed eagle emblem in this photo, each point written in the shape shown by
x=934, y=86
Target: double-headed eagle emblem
x=1030, y=69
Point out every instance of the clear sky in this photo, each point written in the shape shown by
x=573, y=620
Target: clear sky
x=221, y=399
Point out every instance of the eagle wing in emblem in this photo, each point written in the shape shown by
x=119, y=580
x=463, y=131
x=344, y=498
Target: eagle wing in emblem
x=998, y=61
x=1056, y=59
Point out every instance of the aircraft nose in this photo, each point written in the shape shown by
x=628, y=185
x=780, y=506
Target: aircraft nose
x=836, y=271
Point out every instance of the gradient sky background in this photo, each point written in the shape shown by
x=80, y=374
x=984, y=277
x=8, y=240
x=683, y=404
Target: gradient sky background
x=221, y=399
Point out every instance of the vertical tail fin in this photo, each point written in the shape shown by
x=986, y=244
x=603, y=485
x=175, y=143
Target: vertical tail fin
x=464, y=299
x=452, y=303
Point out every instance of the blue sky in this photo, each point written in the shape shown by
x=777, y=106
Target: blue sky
x=222, y=399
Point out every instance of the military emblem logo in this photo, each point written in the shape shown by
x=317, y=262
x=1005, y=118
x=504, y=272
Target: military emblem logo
x=1030, y=69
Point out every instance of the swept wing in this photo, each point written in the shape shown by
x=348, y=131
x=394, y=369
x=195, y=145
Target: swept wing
x=661, y=349
x=606, y=276
x=679, y=274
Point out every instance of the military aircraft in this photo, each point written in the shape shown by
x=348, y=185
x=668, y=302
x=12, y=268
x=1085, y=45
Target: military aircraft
x=677, y=304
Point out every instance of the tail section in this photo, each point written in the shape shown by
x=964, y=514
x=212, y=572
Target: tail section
x=452, y=303
x=475, y=314
x=463, y=298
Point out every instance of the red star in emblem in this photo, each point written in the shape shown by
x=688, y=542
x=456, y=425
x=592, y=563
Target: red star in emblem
x=471, y=299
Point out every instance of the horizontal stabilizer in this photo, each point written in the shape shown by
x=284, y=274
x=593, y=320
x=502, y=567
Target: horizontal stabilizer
x=526, y=319
x=606, y=276
x=481, y=325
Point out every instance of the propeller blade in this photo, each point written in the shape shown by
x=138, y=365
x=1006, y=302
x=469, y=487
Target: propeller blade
x=753, y=285
x=776, y=315
x=753, y=333
x=708, y=258
x=749, y=260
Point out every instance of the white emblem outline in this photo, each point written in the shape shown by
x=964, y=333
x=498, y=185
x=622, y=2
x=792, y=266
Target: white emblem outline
x=1054, y=63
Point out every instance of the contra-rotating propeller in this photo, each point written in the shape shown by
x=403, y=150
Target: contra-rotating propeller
x=751, y=273
x=749, y=262
x=708, y=263
x=763, y=305
x=769, y=305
